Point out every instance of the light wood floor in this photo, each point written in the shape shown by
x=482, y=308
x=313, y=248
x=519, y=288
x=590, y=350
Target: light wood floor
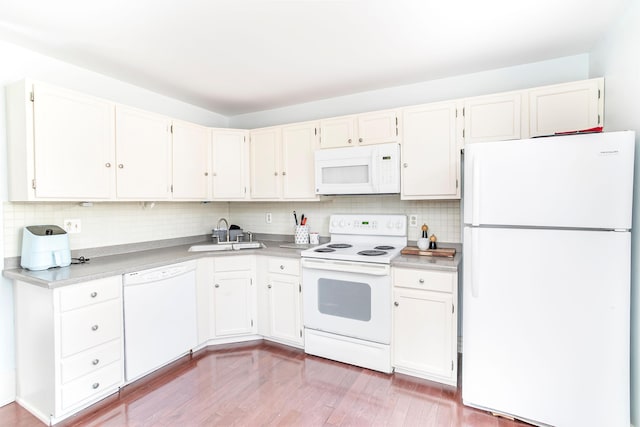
x=260, y=383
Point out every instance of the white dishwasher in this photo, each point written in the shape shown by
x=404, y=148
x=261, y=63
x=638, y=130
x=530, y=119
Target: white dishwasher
x=159, y=317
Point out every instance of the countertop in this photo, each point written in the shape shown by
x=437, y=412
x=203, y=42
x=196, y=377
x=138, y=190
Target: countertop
x=113, y=265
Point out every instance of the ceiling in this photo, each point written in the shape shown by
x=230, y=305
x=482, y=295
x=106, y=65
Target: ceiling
x=234, y=57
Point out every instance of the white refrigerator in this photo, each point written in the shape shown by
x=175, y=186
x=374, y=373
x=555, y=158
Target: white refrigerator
x=546, y=278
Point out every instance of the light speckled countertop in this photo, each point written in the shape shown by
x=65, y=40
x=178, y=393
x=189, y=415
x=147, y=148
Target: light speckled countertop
x=116, y=264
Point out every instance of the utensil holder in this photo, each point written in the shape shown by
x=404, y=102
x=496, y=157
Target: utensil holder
x=302, y=234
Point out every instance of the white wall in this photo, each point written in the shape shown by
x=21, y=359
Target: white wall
x=616, y=58
x=499, y=80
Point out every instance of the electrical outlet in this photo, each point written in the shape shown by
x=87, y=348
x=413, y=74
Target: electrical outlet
x=413, y=220
x=268, y=218
x=72, y=226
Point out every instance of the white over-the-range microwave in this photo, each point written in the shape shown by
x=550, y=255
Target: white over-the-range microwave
x=369, y=169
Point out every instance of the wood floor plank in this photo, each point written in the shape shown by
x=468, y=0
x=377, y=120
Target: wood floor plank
x=266, y=384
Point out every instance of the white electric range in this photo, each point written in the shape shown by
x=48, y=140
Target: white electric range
x=347, y=290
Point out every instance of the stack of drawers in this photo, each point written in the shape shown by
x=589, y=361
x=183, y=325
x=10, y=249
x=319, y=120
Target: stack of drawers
x=79, y=328
x=90, y=331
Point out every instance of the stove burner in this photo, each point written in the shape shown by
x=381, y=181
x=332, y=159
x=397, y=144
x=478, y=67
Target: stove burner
x=324, y=250
x=339, y=245
x=384, y=247
x=371, y=252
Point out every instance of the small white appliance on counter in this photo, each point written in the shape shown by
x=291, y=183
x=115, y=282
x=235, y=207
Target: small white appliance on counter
x=369, y=169
x=347, y=290
x=547, y=256
x=44, y=246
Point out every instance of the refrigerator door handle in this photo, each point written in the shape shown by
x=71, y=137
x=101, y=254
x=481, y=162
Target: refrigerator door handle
x=475, y=192
x=475, y=262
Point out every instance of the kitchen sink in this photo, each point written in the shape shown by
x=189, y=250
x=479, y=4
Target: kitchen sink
x=226, y=247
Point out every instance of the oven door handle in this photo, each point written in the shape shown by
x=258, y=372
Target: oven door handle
x=347, y=266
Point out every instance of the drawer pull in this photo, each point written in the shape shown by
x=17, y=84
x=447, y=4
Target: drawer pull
x=281, y=267
x=94, y=362
x=396, y=303
x=269, y=286
x=217, y=285
x=94, y=328
x=95, y=385
x=421, y=280
x=94, y=294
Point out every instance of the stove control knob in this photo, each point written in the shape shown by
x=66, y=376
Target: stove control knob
x=390, y=224
x=398, y=225
x=334, y=223
x=341, y=224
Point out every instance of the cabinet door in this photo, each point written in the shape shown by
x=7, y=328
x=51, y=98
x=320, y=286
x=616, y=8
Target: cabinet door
x=190, y=161
x=266, y=178
x=423, y=332
x=492, y=118
x=298, y=145
x=284, y=308
x=74, y=145
x=338, y=132
x=566, y=107
x=232, y=311
x=230, y=159
x=430, y=157
x=143, y=146
x=378, y=128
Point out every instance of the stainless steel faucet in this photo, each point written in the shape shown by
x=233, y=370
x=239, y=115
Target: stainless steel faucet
x=227, y=228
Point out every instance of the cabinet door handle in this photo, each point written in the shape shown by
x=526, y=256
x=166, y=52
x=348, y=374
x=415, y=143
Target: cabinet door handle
x=269, y=286
x=359, y=139
x=121, y=166
x=275, y=173
x=281, y=267
x=108, y=165
x=396, y=303
x=349, y=140
x=216, y=285
x=405, y=165
x=206, y=174
x=94, y=362
x=284, y=173
x=94, y=328
x=94, y=294
x=421, y=280
x=95, y=385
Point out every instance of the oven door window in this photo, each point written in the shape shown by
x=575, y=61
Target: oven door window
x=341, y=298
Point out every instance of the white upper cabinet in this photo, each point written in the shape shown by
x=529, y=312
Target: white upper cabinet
x=492, y=118
x=566, y=107
x=266, y=178
x=230, y=158
x=299, y=141
x=377, y=127
x=191, y=161
x=282, y=162
x=143, y=155
x=60, y=144
x=430, y=156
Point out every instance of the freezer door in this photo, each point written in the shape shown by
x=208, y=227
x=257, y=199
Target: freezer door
x=578, y=181
x=546, y=325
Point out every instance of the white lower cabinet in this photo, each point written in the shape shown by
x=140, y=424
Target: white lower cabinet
x=424, y=342
x=69, y=346
x=233, y=309
x=282, y=294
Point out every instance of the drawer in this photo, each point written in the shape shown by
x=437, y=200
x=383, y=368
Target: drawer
x=91, y=326
x=233, y=263
x=432, y=280
x=93, y=384
x=93, y=292
x=90, y=360
x=284, y=266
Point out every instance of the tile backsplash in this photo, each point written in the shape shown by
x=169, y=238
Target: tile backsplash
x=116, y=223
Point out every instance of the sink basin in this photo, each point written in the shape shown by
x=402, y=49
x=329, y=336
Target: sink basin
x=225, y=247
